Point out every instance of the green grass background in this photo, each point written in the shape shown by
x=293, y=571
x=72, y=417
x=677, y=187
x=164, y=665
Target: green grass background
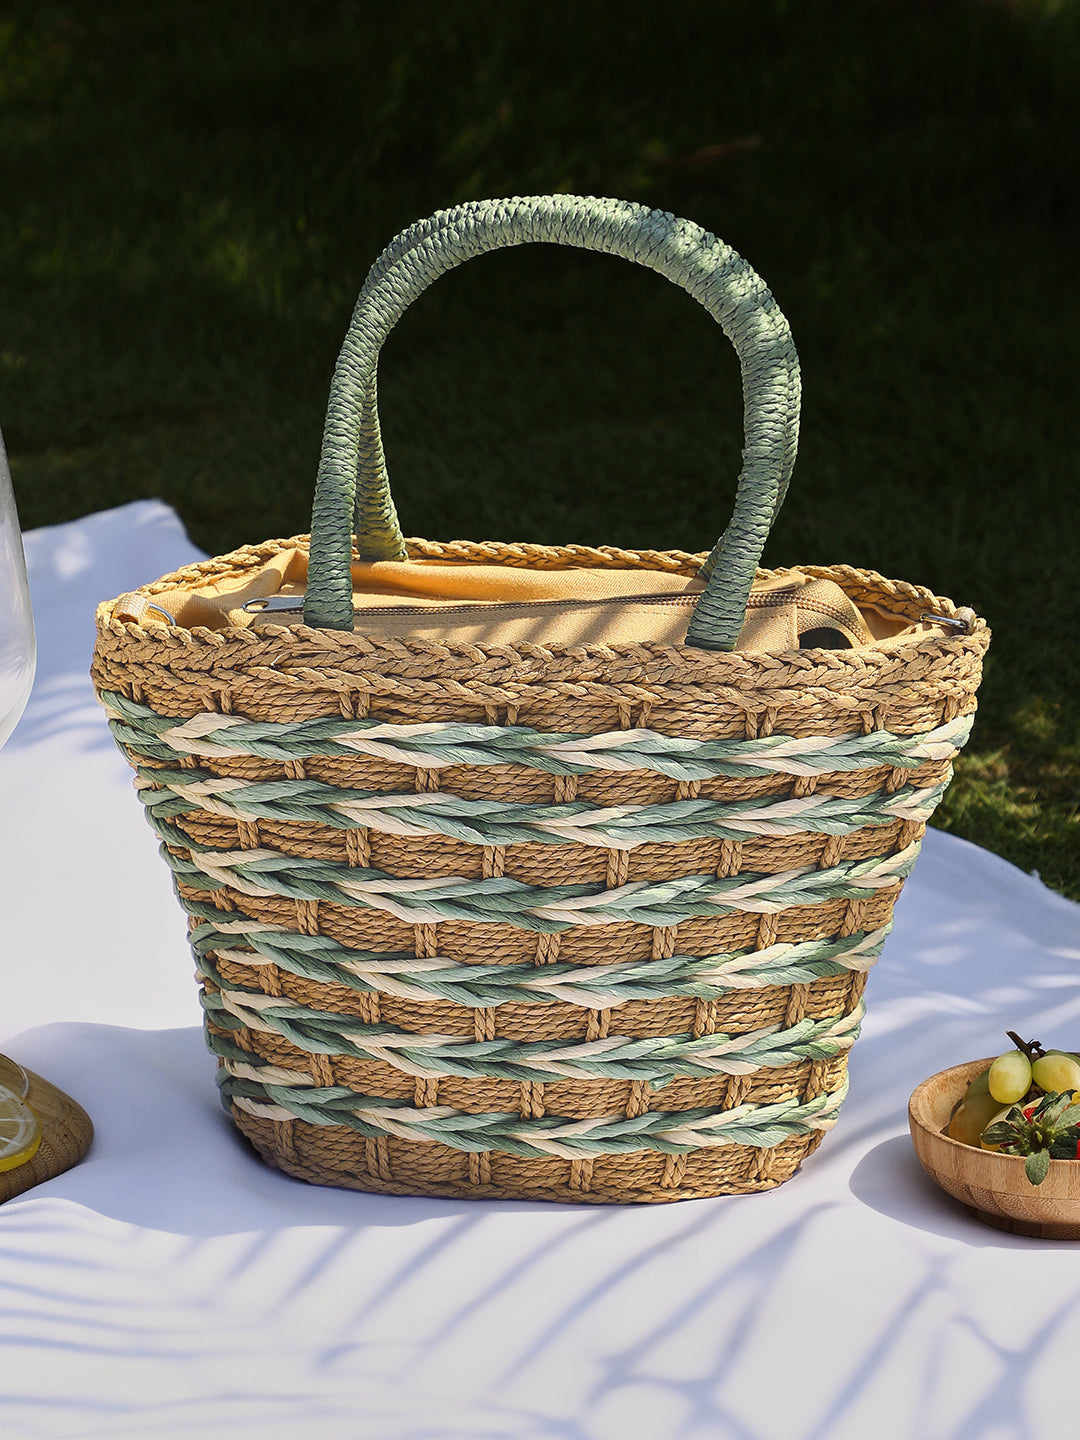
x=191, y=194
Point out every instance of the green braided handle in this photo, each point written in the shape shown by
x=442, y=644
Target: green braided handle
x=353, y=492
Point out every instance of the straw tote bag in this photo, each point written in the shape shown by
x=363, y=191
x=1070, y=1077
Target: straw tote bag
x=537, y=871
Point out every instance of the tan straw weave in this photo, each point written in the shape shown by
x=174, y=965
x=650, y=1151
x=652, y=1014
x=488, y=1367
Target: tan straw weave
x=583, y=922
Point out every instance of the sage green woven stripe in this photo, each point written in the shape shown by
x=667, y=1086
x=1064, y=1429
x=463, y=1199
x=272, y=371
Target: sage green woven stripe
x=656, y=1059
x=169, y=793
x=531, y=907
x=286, y=1095
x=403, y=974
x=435, y=745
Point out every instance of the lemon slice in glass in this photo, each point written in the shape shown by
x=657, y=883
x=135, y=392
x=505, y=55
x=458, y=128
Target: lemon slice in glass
x=20, y=1133
x=13, y=1076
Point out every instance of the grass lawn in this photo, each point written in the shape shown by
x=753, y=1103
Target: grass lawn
x=193, y=193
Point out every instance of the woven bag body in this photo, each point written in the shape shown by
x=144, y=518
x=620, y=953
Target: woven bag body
x=580, y=923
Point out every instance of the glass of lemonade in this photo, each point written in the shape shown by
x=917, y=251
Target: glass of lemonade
x=20, y=1132
x=18, y=650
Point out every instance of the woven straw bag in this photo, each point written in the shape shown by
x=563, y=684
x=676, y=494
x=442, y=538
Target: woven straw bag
x=576, y=921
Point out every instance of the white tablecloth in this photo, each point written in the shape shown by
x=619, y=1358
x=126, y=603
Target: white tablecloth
x=173, y=1286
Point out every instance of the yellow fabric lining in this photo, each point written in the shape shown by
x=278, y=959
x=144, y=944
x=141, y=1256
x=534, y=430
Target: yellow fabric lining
x=493, y=605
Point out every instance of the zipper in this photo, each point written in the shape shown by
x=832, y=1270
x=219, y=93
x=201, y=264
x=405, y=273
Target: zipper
x=776, y=599
x=294, y=604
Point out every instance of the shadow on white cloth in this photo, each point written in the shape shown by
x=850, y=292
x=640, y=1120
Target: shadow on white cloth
x=442, y=1320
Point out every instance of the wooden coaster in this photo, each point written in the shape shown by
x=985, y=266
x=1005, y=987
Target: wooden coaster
x=66, y=1135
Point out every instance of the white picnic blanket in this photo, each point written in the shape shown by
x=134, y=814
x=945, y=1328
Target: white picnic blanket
x=173, y=1286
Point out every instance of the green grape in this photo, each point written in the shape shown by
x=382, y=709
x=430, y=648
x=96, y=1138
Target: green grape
x=1056, y=1071
x=979, y=1086
x=1010, y=1077
x=973, y=1115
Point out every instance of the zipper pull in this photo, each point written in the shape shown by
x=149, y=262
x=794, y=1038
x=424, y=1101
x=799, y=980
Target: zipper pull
x=961, y=622
x=280, y=604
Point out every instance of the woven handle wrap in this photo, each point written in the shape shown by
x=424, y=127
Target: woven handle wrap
x=353, y=492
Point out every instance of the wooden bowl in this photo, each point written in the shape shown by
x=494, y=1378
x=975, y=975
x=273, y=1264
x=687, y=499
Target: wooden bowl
x=993, y=1187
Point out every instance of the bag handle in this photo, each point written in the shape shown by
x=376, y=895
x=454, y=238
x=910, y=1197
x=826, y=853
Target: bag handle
x=352, y=491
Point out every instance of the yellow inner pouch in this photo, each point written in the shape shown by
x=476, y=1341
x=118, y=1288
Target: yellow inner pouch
x=490, y=605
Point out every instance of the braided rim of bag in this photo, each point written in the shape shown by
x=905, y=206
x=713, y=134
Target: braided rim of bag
x=586, y=924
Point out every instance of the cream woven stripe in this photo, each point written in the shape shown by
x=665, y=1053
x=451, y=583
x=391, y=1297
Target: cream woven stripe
x=278, y=1094
x=707, y=977
x=502, y=822
x=434, y=745
x=657, y=1059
